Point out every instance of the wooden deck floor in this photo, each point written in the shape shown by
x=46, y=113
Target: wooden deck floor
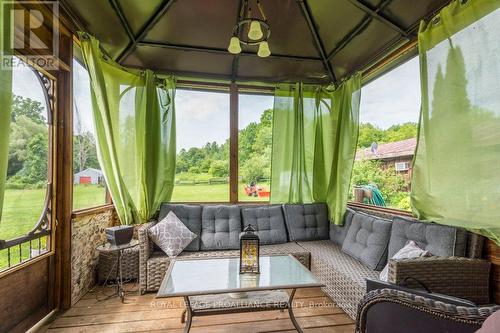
x=315, y=312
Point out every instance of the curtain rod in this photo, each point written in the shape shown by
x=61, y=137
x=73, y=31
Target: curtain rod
x=387, y=60
x=200, y=85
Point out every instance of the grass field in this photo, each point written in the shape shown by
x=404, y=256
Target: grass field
x=22, y=208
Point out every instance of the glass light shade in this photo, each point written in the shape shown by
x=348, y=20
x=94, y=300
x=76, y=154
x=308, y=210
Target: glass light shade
x=255, y=31
x=234, y=45
x=249, y=251
x=249, y=262
x=264, y=50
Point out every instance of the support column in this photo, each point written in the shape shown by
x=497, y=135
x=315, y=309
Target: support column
x=233, y=143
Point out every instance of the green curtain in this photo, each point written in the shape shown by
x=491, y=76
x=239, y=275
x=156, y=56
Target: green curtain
x=456, y=178
x=345, y=109
x=315, y=131
x=5, y=96
x=134, y=120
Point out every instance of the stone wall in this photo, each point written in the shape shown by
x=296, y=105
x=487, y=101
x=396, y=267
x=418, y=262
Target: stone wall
x=87, y=234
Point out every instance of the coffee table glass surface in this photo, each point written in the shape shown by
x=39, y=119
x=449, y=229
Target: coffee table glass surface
x=221, y=275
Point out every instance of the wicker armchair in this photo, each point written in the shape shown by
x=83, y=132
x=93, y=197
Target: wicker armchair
x=390, y=310
x=455, y=276
x=145, y=251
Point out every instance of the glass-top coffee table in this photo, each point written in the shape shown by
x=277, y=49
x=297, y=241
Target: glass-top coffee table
x=214, y=286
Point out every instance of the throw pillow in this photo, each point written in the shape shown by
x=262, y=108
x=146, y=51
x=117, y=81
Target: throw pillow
x=410, y=250
x=171, y=235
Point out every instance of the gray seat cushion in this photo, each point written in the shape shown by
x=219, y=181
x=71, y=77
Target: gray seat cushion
x=220, y=227
x=268, y=221
x=439, y=240
x=338, y=232
x=367, y=240
x=190, y=215
x=307, y=222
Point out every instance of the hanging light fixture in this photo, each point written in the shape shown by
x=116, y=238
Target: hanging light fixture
x=255, y=32
x=234, y=45
x=258, y=31
x=264, y=50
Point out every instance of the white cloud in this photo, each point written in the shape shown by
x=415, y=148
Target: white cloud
x=393, y=98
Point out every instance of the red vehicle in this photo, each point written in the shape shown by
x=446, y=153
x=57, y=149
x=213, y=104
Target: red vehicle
x=253, y=190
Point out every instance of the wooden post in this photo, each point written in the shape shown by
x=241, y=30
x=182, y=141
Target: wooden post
x=64, y=179
x=233, y=143
x=359, y=194
x=493, y=255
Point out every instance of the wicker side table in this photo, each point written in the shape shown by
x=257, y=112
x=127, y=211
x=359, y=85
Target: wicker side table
x=107, y=266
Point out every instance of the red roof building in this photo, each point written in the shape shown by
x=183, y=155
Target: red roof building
x=388, y=151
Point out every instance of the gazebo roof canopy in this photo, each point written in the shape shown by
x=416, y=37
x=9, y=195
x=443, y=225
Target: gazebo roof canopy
x=310, y=41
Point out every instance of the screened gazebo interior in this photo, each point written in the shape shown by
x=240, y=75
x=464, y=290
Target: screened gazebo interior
x=249, y=166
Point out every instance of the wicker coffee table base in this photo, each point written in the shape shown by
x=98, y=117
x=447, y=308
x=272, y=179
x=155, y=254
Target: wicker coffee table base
x=206, y=305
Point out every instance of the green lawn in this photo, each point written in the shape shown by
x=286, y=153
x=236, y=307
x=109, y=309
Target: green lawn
x=210, y=193
x=22, y=208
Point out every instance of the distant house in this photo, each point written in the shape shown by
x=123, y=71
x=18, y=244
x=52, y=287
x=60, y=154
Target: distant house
x=89, y=176
x=397, y=154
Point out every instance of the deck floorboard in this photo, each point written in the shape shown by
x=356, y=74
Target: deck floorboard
x=314, y=311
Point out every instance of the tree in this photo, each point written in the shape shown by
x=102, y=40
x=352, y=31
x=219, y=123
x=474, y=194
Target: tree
x=84, y=152
x=246, y=141
x=22, y=131
x=400, y=132
x=28, y=108
x=368, y=134
x=35, y=166
x=255, y=169
x=389, y=182
x=219, y=168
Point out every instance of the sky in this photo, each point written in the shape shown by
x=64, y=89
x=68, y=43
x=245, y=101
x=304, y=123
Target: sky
x=393, y=98
x=25, y=83
x=204, y=116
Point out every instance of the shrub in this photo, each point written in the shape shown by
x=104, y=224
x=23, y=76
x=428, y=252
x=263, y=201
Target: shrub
x=391, y=184
x=219, y=169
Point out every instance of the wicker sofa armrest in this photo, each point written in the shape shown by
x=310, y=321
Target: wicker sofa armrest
x=411, y=313
x=145, y=247
x=455, y=276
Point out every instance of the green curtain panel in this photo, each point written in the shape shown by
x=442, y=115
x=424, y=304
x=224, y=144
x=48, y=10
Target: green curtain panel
x=5, y=96
x=315, y=133
x=345, y=114
x=455, y=176
x=134, y=120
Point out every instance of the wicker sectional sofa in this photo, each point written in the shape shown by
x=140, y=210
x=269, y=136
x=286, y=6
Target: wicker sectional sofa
x=341, y=257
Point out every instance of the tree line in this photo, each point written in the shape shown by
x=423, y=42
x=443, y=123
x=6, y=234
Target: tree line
x=369, y=133
x=212, y=160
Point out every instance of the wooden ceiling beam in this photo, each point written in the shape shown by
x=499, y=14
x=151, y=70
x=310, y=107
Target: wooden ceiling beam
x=221, y=51
x=317, y=40
x=158, y=14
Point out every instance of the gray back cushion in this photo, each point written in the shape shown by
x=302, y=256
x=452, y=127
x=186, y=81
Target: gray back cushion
x=307, y=222
x=190, y=215
x=339, y=232
x=439, y=240
x=367, y=240
x=220, y=227
x=268, y=221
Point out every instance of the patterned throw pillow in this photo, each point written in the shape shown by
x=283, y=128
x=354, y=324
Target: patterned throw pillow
x=410, y=250
x=171, y=235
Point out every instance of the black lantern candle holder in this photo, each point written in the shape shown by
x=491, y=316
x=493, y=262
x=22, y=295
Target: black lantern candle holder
x=249, y=251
